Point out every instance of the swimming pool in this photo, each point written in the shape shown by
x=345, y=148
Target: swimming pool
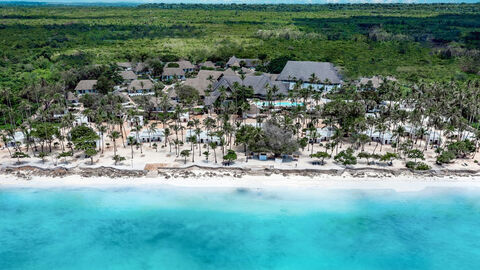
x=278, y=103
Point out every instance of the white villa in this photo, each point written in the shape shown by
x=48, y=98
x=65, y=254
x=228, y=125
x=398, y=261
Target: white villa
x=203, y=137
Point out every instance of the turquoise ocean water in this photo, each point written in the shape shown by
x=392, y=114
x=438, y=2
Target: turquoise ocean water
x=175, y=228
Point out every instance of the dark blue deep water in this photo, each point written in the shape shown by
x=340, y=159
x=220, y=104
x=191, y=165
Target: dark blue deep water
x=238, y=229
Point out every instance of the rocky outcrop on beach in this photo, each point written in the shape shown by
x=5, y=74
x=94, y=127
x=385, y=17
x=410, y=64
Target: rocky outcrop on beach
x=27, y=172
x=193, y=172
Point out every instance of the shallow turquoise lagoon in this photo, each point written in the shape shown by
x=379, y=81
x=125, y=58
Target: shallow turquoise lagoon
x=238, y=229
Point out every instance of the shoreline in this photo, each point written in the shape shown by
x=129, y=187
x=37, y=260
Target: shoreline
x=26, y=171
x=234, y=178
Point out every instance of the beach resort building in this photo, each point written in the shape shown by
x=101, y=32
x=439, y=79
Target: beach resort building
x=242, y=62
x=375, y=81
x=140, y=87
x=128, y=76
x=86, y=87
x=207, y=65
x=204, y=81
x=124, y=65
x=170, y=73
x=322, y=76
x=146, y=136
x=203, y=136
x=141, y=68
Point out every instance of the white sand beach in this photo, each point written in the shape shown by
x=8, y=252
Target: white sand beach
x=402, y=183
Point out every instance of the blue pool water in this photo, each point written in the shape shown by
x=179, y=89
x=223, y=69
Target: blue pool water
x=278, y=103
x=238, y=229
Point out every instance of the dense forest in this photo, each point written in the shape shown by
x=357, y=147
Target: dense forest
x=58, y=44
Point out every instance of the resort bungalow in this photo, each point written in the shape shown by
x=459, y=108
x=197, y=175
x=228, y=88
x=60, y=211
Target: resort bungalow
x=434, y=137
x=204, y=81
x=141, y=69
x=124, y=65
x=136, y=120
x=128, y=76
x=145, y=136
x=207, y=65
x=227, y=83
x=173, y=74
x=86, y=87
x=252, y=112
x=184, y=117
x=203, y=137
x=322, y=76
x=185, y=65
x=140, y=87
x=322, y=135
x=80, y=119
x=18, y=137
x=242, y=62
x=262, y=84
x=381, y=137
x=72, y=99
x=374, y=82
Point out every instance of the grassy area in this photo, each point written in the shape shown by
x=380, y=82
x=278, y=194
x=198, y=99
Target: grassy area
x=364, y=40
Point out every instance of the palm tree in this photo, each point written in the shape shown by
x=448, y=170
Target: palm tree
x=137, y=128
x=6, y=140
x=152, y=129
x=198, y=132
x=193, y=140
x=185, y=154
x=131, y=141
x=166, y=134
x=114, y=135
x=102, y=129
x=214, y=146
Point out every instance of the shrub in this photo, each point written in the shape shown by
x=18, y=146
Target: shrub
x=411, y=165
x=461, y=149
x=421, y=166
x=445, y=157
x=415, y=154
x=346, y=157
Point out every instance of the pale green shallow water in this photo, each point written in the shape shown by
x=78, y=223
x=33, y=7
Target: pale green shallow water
x=238, y=229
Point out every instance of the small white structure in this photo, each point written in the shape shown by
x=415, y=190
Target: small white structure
x=465, y=135
x=17, y=137
x=145, y=136
x=80, y=119
x=203, y=137
x=410, y=130
x=137, y=119
x=323, y=134
x=434, y=137
x=381, y=137
x=184, y=117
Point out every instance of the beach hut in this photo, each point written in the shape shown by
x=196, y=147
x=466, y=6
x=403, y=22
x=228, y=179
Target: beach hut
x=434, y=137
x=203, y=137
x=18, y=137
x=144, y=136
